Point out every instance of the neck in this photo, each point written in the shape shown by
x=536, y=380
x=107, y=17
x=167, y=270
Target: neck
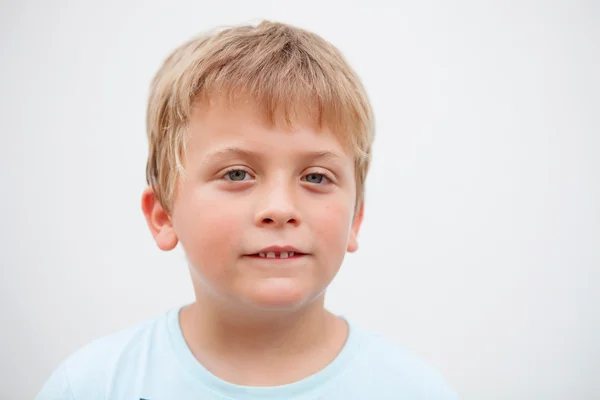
x=222, y=340
x=227, y=330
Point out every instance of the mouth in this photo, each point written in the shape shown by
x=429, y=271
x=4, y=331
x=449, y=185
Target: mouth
x=278, y=255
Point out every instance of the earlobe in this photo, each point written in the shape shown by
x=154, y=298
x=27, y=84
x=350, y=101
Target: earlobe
x=158, y=220
x=353, y=239
x=352, y=243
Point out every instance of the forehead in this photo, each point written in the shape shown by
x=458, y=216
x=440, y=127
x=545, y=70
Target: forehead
x=243, y=123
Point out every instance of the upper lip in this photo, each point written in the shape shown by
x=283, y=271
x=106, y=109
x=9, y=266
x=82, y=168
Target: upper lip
x=279, y=249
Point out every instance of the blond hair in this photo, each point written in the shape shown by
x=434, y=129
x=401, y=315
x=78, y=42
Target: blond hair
x=283, y=68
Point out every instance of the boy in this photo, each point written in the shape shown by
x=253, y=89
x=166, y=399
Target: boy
x=260, y=141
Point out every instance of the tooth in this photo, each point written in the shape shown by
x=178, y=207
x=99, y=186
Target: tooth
x=283, y=254
x=270, y=254
x=291, y=253
x=261, y=254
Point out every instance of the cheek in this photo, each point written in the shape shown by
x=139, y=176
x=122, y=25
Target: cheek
x=208, y=229
x=332, y=225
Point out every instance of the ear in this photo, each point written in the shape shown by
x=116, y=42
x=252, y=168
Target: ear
x=353, y=239
x=159, y=221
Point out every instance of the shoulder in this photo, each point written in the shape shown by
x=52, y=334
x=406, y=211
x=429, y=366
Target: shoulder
x=395, y=369
x=88, y=372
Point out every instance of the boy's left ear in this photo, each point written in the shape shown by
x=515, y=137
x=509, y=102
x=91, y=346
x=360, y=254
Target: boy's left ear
x=353, y=240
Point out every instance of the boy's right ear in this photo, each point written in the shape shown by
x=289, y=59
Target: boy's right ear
x=159, y=221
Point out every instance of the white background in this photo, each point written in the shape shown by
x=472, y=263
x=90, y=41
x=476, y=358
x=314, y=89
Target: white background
x=480, y=248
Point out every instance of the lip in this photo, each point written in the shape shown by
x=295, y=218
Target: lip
x=280, y=249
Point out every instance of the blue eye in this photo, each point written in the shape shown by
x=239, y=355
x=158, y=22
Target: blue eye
x=315, y=178
x=236, y=175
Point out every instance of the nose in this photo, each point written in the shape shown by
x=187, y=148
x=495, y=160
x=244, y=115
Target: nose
x=277, y=207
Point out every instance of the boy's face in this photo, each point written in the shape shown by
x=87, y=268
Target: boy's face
x=249, y=187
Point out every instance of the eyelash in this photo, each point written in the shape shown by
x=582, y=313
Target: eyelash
x=235, y=169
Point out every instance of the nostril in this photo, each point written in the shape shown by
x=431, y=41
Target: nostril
x=271, y=221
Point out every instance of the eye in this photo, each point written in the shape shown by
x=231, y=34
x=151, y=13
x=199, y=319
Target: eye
x=236, y=175
x=316, y=178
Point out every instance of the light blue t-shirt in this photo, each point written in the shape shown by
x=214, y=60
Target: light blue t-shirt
x=151, y=361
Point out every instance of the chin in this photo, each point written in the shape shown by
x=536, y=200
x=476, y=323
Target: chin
x=279, y=294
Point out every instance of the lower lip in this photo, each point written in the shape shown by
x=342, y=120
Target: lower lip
x=294, y=257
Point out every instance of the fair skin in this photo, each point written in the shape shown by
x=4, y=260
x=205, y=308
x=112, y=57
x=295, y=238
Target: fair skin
x=259, y=319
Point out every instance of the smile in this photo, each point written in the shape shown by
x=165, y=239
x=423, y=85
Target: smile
x=278, y=255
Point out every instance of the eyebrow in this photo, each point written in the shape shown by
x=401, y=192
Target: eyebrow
x=233, y=151
x=228, y=152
